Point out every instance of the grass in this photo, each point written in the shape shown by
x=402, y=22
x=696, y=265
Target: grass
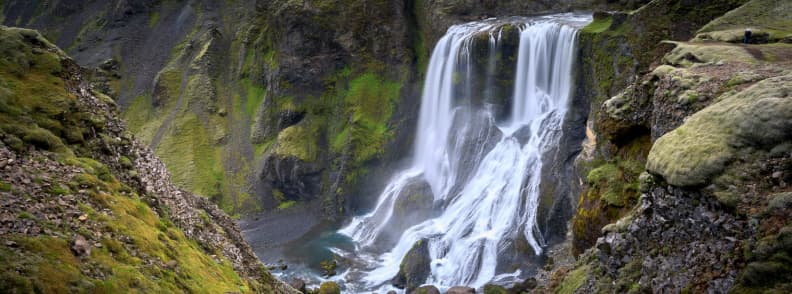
x=598, y=25
x=772, y=16
x=254, y=97
x=371, y=100
x=573, y=280
x=299, y=141
x=194, y=161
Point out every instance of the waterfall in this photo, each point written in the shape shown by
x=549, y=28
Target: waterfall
x=483, y=166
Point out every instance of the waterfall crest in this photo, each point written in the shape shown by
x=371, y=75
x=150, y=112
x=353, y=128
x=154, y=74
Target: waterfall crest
x=483, y=164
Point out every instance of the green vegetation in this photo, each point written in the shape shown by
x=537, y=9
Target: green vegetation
x=610, y=182
x=708, y=141
x=299, y=141
x=772, y=16
x=193, y=159
x=134, y=248
x=154, y=19
x=329, y=288
x=598, y=25
x=573, y=280
x=370, y=100
x=254, y=97
x=5, y=187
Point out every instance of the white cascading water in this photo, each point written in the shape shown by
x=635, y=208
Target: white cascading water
x=485, y=210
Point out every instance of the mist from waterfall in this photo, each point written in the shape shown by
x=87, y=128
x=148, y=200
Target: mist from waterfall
x=483, y=164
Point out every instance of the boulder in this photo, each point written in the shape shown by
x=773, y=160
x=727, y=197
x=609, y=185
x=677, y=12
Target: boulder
x=329, y=288
x=413, y=205
x=461, y=290
x=414, y=267
x=298, y=284
x=759, y=117
x=428, y=289
x=80, y=246
x=494, y=289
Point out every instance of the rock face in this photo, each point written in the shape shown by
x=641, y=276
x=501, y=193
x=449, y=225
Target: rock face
x=703, y=211
x=71, y=169
x=348, y=71
x=414, y=268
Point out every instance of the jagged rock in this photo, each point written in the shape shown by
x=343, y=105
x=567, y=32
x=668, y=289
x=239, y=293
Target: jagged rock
x=461, y=290
x=298, y=284
x=526, y=286
x=414, y=268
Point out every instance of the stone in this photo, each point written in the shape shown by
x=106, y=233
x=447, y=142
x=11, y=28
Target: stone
x=414, y=268
x=461, y=290
x=80, y=246
x=329, y=288
x=298, y=284
x=709, y=140
x=428, y=289
x=171, y=264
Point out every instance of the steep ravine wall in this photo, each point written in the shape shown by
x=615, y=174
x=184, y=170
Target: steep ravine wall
x=685, y=184
x=264, y=105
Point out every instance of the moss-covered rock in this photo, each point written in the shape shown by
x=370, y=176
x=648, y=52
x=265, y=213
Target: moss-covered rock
x=703, y=146
x=414, y=268
x=771, y=17
x=329, y=288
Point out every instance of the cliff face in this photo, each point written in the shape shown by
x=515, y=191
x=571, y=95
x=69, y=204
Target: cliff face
x=80, y=193
x=686, y=163
x=267, y=104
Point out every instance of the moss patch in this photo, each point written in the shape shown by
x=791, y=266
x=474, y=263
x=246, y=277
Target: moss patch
x=704, y=145
x=573, y=280
x=772, y=16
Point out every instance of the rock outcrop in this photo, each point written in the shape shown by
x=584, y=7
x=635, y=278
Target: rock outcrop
x=709, y=119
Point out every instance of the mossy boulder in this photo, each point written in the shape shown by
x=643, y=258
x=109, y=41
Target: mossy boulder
x=414, y=268
x=758, y=117
x=329, y=288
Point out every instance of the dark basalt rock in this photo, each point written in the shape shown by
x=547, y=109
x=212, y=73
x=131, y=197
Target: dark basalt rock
x=413, y=205
x=428, y=289
x=414, y=268
x=461, y=290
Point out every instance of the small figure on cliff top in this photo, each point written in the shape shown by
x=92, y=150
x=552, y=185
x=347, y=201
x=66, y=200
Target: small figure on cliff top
x=747, y=38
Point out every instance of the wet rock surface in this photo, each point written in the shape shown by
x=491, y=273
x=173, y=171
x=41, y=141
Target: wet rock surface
x=414, y=268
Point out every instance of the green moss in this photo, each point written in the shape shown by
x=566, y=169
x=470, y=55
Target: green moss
x=573, y=280
x=329, y=288
x=494, y=289
x=154, y=19
x=192, y=158
x=772, y=16
x=707, y=142
x=287, y=204
x=299, y=141
x=598, y=25
x=254, y=97
x=371, y=100
x=5, y=187
x=611, y=182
